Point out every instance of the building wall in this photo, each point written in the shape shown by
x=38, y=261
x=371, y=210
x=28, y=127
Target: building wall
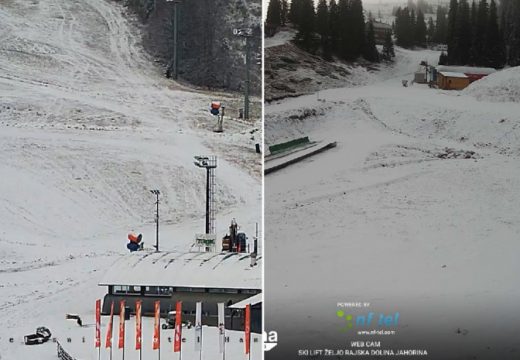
x=234, y=318
x=451, y=83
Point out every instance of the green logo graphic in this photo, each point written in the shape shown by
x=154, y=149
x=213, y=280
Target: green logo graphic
x=348, y=320
x=368, y=319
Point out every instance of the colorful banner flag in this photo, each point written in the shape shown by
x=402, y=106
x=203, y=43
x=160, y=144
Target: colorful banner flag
x=121, y=324
x=138, y=325
x=178, y=327
x=221, y=327
x=156, y=326
x=98, y=323
x=198, y=326
x=108, y=341
x=248, y=328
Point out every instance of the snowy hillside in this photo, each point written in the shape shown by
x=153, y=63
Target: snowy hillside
x=503, y=86
x=291, y=71
x=415, y=210
x=88, y=125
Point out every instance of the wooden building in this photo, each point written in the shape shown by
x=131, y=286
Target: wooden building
x=447, y=80
x=472, y=72
x=380, y=31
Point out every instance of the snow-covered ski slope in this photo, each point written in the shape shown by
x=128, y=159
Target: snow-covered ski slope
x=389, y=218
x=88, y=125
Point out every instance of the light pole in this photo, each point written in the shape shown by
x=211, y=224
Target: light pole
x=156, y=193
x=247, y=33
x=209, y=163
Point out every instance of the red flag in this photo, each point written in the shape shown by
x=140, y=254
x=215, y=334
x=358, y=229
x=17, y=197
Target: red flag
x=156, y=330
x=138, y=326
x=178, y=327
x=248, y=328
x=98, y=323
x=121, y=324
x=108, y=342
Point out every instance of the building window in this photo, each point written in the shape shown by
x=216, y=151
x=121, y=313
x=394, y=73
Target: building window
x=191, y=289
x=159, y=290
x=126, y=290
x=249, y=291
x=121, y=289
x=223, y=291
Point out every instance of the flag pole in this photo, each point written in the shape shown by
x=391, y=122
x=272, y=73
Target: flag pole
x=124, y=343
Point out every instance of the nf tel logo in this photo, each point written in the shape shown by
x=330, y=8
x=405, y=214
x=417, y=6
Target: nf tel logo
x=370, y=319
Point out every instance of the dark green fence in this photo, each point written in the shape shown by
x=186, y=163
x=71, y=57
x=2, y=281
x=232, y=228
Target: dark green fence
x=289, y=145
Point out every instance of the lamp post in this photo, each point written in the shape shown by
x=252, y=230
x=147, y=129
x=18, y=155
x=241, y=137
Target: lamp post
x=156, y=193
x=209, y=163
x=246, y=33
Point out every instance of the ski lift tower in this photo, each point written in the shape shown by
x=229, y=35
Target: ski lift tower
x=210, y=164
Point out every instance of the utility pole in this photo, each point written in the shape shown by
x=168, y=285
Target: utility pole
x=156, y=193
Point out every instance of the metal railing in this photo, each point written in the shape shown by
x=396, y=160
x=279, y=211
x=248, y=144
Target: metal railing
x=62, y=354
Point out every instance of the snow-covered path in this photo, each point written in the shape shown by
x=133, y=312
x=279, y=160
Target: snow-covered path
x=384, y=219
x=88, y=125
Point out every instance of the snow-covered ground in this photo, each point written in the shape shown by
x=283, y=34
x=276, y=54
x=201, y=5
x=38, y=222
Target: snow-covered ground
x=503, y=86
x=235, y=347
x=281, y=37
x=88, y=125
x=389, y=217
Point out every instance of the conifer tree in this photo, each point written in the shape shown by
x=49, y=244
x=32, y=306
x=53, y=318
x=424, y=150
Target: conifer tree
x=358, y=25
x=480, y=32
x=510, y=27
x=274, y=14
x=441, y=27
x=284, y=15
x=388, y=47
x=334, y=27
x=370, y=52
x=306, y=25
x=473, y=54
x=322, y=27
x=420, y=29
x=430, y=33
x=451, y=34
x=494, y=48
x=464, y=40
x=294, y=12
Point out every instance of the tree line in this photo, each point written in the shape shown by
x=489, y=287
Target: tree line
x=410, y=29
x=510, y=29
x=473, y=34
x=333, y=28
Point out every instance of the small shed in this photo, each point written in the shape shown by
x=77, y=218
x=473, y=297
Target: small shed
x=419, y=77
x=448, y=80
